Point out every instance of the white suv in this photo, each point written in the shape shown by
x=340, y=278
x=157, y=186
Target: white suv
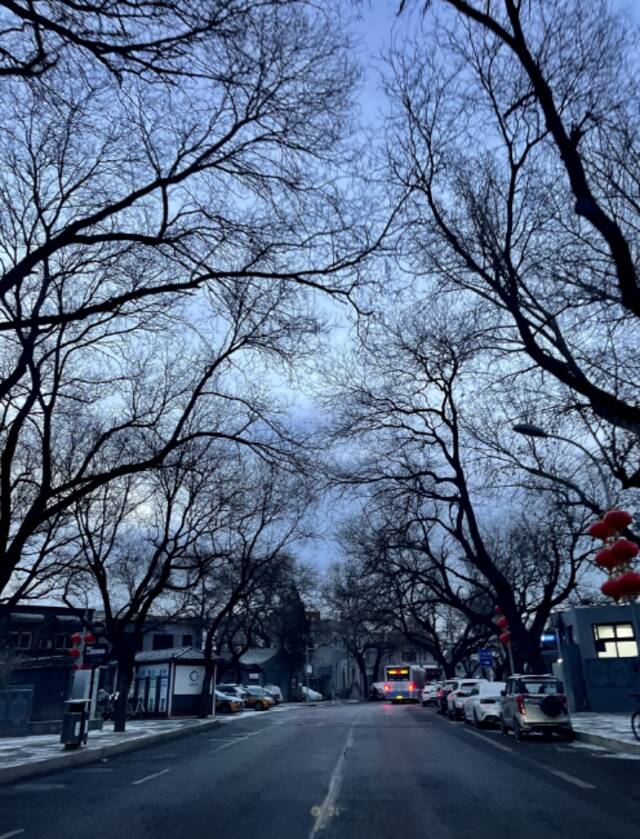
x=534, y=703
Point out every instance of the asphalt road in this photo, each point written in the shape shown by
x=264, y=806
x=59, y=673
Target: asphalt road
x=343, y=771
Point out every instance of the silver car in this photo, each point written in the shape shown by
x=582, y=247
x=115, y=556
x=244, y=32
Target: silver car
x=534, y=703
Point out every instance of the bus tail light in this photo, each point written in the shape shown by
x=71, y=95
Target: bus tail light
x=412, y=687
x=387, y=686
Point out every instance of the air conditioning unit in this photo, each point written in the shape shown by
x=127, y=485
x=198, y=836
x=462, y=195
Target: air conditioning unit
x=45, y=644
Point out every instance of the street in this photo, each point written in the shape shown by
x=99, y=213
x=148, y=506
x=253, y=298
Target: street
x=334, y=771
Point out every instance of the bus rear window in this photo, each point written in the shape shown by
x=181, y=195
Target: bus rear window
x=397, y=674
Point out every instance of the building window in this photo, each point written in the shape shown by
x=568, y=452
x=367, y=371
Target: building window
x=162, y=641
x=21, y=640
x=63, y=642
x=615, y=640
x=187, y=640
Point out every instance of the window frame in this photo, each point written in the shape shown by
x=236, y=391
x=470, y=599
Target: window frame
x=601, y=644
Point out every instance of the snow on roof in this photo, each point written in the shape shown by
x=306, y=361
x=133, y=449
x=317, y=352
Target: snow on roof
x=258, y=655
x=170, y=654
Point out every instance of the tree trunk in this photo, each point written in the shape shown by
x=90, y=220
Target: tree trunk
x=362, y=667
x=125, y=677
x=376, y=666
x=205, y=693
x=449, y=668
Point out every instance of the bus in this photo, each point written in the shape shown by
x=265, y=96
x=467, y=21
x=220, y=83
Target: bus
x=404, y=682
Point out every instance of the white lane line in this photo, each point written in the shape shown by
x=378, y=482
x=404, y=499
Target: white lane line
x=148, y=778
x=572, y=779
x=12, y=833
x=487, y=740
x=327, y=809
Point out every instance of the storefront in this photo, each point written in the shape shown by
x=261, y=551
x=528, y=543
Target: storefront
x=169, y=682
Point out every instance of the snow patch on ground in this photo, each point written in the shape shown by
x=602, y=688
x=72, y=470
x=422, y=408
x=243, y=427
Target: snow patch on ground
x=16, y=751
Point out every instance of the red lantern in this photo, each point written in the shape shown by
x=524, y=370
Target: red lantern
x=503, y=623
x=629, y=584
x=618, y=519
x=611, y=588
x=505, y=638
x=624, y=550
x=605, y=559
x=89, y=638
x=74, y=652
x=76, y=638
x=599, y=530
x=497, y=610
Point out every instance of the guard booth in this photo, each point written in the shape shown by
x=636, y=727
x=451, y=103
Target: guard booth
x=168, y=683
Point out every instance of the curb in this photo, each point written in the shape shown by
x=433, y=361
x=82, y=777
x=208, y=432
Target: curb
x=608, y=742
x=9, y=774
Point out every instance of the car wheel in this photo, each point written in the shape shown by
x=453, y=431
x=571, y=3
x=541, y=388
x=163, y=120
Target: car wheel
x=518, y=733
x=503, y=727
x=225, y=708
x=476, y=721
x=424, y=704
x=567, y=734
x=259, y=706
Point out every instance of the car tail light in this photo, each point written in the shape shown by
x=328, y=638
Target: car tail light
x=520, y=704
x=565, y=707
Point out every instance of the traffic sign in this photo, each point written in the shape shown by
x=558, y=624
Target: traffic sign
x=485, y=658
x=96, y=654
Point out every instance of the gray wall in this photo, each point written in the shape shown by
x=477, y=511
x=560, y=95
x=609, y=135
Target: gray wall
x=592, y=683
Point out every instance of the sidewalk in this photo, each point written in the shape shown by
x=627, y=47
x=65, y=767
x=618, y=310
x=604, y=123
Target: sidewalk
x=21, y=757
x=24, y=756
x=613, y=731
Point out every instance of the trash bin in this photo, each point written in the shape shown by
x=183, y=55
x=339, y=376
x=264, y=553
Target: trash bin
x=74, y=723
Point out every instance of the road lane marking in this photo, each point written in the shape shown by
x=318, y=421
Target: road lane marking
x=12, y=833
x=34, y=786
x=572, y=779
x=487, y=740
x=149, y=777
x=327, y=809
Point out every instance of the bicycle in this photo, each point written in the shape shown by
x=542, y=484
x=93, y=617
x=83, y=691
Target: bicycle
x=635, y=718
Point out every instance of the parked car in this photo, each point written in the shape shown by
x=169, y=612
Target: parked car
x=482, y=706
x=443, y=693
x=257, y=698
x=232, y=690
x=532, y=703
x=275, y=692
x=376, y=691
x=227, y=703
x=309, y=695
x=455, y=700
x=429, y=693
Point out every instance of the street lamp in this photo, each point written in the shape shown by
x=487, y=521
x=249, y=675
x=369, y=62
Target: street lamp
x=530, y=430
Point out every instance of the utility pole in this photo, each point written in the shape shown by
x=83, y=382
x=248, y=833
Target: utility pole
x=306, y=674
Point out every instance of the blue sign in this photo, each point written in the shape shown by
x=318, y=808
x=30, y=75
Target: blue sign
x=485, y=658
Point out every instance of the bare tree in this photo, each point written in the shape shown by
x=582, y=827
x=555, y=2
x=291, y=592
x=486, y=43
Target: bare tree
x=357, y=603
x=442, y=524
x=515, y=136
x=244, y=566
x=157, y=240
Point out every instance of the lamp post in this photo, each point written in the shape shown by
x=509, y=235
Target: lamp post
x=307, y=650
x=534, y=431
